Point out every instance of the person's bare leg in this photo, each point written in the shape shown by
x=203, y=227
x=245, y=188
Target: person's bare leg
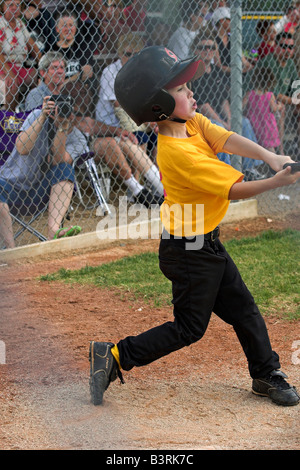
x=59, y=201
x=108, y=150
x=6, y=230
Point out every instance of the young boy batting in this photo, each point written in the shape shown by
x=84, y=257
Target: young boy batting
x=153, y=86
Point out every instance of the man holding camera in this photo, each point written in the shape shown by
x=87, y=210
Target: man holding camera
x=39, y=169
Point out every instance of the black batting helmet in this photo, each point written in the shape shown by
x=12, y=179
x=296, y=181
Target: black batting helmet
x=142, y=84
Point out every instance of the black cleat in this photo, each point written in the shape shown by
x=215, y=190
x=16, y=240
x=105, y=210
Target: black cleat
x=103, y=370
x=275, y=387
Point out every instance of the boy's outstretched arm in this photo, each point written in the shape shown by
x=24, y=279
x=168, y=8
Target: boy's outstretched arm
x=239, y=145
x=248, y=189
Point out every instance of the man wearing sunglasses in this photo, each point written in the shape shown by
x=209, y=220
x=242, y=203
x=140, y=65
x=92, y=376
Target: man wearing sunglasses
x=283, y=67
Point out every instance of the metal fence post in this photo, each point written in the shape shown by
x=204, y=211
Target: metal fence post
x=236, y=74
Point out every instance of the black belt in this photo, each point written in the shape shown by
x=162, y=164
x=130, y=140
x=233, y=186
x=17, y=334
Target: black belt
x=210, y=236
x=213, y=235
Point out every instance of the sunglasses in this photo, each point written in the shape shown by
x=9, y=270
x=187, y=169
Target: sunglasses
x=287, y=46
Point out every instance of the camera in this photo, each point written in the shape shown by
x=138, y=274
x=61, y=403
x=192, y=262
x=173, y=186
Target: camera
x=64, y=105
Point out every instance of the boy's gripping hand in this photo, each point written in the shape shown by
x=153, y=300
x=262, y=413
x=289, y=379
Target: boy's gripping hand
x=294, y=167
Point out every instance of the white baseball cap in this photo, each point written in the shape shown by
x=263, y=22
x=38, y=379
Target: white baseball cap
x=220, y=14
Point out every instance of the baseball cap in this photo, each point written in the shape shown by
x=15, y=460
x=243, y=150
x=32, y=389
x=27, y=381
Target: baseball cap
x=220, y=14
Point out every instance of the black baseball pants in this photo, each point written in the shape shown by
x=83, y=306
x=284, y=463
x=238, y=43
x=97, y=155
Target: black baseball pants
x=204, y=280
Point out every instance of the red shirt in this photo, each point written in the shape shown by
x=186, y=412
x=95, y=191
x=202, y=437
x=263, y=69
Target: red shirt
x=264, y=49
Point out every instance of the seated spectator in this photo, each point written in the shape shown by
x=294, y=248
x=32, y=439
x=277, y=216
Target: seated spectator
x=39, y=167
x=290, y=20
x=108, y=109
x=266, y=30
x=283, y=67
x=135, y=15
x=216, y=106
x=261, y=106
x=192, y=15
x=75, y=48
x=16, y=46
x=221, y=19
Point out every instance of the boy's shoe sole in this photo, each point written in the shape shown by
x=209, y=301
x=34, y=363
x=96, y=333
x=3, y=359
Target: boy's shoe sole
x=276, y=388
x=103, y=370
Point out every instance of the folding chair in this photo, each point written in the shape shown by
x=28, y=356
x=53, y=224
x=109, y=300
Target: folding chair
x=85, y=165
x=10, y=125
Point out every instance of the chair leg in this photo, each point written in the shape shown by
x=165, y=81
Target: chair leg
x=93, y=175
x=27, y=226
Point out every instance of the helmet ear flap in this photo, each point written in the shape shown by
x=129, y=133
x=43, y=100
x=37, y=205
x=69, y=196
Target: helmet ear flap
x=162, y=105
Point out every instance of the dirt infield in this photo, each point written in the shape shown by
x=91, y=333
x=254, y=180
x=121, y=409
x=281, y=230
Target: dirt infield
x=197, y=398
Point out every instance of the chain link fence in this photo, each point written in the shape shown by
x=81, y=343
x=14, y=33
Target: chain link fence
x=69, y=161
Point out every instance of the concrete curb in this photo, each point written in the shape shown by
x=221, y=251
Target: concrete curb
x=140, y=230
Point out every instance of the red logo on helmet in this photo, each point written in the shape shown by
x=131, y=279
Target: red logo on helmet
x=171, y=54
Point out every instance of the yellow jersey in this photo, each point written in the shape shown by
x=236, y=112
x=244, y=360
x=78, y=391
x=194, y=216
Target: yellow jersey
x=196, y=182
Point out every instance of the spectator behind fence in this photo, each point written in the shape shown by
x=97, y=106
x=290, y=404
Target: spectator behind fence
x=221, y=20
x=107, y=108
x=267, y=31
x=135, y=15
x=261, y=106
x=212, y=94
x=192, y=14
x=106, y=113
x=75, y=47
x=16, y=46
x=39, y=169
x=146, y=136
x=282, y=65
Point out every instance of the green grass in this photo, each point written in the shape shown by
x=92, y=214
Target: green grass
x=269, y=264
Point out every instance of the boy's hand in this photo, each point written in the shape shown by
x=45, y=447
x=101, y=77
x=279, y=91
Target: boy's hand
x=278, y=161
x=286, y=176
x=295, y=167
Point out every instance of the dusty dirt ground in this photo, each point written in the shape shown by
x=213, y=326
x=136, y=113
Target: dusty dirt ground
x=195, y=399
